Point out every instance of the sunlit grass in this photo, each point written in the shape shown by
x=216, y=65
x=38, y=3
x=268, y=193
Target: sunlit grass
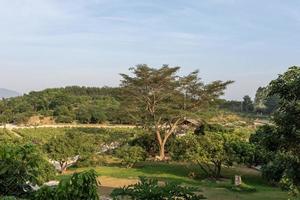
x=215, y=190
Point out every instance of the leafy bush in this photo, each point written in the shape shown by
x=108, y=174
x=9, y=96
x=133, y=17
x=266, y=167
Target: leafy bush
x=21, y=164
x=151, y=190
x=46, y=192
x=288, y=184
x=147, y=142
x=131, y=155
x=77, y=187
x=282, y=164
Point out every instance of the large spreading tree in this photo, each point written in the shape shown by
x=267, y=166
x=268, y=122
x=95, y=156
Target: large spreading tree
x=160, y=99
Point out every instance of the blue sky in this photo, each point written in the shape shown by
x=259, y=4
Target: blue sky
x=53, y=43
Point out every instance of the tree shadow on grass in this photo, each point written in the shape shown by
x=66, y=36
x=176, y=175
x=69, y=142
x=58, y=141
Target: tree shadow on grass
x=180, y=173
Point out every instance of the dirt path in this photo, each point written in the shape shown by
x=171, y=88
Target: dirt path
x=109, y=183
x=11, y=126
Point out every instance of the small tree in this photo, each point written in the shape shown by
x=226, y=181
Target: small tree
x=213, y=150
x=63, y=148
x=160, y=99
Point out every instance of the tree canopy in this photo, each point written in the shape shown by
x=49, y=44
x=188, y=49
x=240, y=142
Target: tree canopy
x=159, y=99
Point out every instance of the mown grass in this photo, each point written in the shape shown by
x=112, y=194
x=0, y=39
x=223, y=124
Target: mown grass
x=214, y=190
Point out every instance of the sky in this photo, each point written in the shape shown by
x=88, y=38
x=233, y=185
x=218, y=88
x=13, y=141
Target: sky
x=55, y=43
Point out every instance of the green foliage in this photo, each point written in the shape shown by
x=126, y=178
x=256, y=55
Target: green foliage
x=288, y=184
x=203, y=150
x=213, y=148
x=130, y=155
x=233, y=106
x=62, y=148
x=264, y=102
x=147, y=142
x=150, y=189
x=46, y=192
x=282, y=142
x=79, y=186
x=247, y=104
x=87, y=105
x=159, y=99
x=241, y=151
x=20, y=164
x=267, y=137
x=282, y=164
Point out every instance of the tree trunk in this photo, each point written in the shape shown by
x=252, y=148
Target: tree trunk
x=162, y=151
x=218, y=170
x=163, y=140
x=63, y=167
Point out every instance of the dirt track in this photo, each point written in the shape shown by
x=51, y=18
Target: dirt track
x=11, y=126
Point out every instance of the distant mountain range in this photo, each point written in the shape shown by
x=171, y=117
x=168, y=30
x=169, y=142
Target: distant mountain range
x=5, y=93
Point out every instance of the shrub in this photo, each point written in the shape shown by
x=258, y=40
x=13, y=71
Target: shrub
x=151, y=190
x=287, y=184
x=21, y=164
x=131, y=155
x=46, y=192
x=147, y=142
x=79, y=186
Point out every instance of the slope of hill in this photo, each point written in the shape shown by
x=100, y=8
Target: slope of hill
x=5, y=93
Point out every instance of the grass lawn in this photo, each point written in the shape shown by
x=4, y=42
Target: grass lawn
x=211, y=189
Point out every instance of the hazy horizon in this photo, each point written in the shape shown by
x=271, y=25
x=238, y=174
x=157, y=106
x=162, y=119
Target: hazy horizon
x=52, y=43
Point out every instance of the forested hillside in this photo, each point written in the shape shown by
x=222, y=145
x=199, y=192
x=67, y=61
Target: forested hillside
x=65, y=105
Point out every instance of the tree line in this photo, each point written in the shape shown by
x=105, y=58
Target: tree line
x=263, y=103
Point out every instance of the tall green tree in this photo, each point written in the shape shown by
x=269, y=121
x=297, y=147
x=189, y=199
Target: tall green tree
x=247, y=104
x=160, y=99
x=282, y=142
